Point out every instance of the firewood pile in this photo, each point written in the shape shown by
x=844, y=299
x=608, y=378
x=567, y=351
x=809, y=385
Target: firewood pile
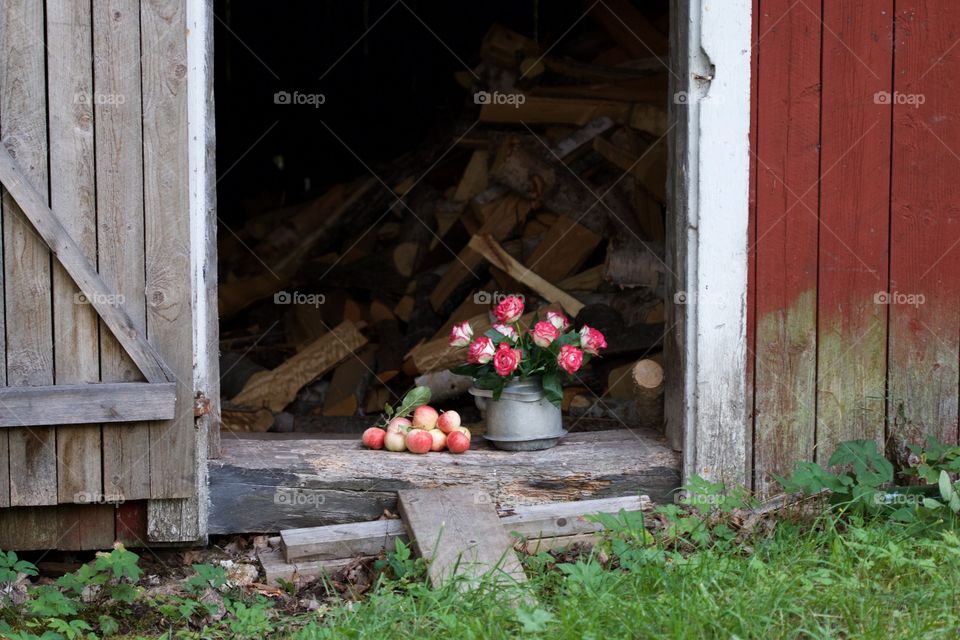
x=552, y=186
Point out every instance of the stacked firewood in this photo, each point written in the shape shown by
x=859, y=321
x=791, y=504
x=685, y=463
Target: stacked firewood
x=554, y=188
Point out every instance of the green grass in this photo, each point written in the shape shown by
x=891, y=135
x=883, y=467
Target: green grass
x=879, y=580
x=826, y=579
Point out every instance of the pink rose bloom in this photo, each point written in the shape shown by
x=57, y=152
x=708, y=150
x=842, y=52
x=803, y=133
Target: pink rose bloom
x=544, y=334
x=481, y=351
x=509, y=310
x=558, y=320
x=506, y=330
x=570, y=358
x=461, y=334
x=592, y=340
x=506, y=359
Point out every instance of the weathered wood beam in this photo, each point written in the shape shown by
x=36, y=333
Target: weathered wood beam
x=527, y=521
x=266, y=484
x=87, y=403
x=104, y=299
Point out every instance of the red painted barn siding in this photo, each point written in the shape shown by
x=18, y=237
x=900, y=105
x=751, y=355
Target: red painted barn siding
x=855, y=224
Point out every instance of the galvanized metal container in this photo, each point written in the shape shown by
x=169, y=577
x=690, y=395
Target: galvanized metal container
x=522, y=419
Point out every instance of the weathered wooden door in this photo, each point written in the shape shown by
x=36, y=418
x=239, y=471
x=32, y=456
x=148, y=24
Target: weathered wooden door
x=97, y=417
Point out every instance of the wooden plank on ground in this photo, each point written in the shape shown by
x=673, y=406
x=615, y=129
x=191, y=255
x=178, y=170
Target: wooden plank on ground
x=854, y=224
x=72, y=190
x=26, y=258
x=459, y=534
x=116, y=72
x=86, y=404
x=163, y=78
x=528, y=521
x=925, y=225
x=787, y=195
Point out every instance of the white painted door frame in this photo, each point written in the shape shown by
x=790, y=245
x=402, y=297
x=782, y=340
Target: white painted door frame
x=707, y=406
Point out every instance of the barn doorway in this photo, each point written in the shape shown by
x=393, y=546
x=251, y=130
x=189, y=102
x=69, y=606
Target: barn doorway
x=362, y=146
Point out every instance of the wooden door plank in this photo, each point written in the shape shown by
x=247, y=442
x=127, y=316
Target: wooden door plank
x=33, y=453
x=786, y=248
x=86, y=404
x=50, y=228
x=167, y=237
x=854, y=223
x=72, y=190
x=459, y=535
x=116, y=29
x=925, y=224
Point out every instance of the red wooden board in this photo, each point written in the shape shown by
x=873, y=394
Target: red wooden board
x=925, y=222
x=787, y=158
x=854, y=219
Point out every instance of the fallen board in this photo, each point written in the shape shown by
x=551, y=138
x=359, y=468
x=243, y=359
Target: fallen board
x=528, y=521
x=267, y=484
x=458, y=532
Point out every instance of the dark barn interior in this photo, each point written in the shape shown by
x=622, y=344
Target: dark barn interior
x=368, y=199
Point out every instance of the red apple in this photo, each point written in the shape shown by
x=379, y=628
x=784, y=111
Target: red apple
x=457, y=442
x=398, y=425
x=448, y=420
x=439, y=440
x=462, y=430
x=373, y=438
x=419, y=441
x=425, y=417
x=395, y=441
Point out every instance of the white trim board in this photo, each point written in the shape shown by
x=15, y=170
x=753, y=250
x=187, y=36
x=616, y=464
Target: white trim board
x=710, y=155
x=185, y=520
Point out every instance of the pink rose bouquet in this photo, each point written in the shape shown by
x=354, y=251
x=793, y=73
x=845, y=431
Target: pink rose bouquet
x=550, y=349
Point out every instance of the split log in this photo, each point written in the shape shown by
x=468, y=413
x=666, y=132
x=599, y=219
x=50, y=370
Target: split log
x=444, y=385
x=589, y=280
x=348, y=386
x=629, y=28
x=390, y=350
x=271, y=391
x=631, y=263
x=475, y=176
x=505, y=48
x=649, y=168
x=503, y=219
x=493, y=252
x=647, y=377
